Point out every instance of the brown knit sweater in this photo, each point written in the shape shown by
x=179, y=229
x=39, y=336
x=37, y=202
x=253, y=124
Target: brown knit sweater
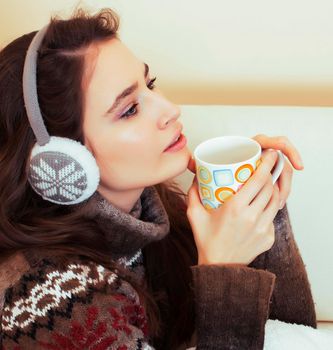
x=50, y=303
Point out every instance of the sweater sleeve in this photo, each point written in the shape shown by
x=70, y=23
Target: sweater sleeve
x=292, y=300
x=232, y=306
x=81, y=307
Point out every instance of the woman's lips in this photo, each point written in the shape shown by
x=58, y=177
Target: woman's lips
x=177, y=145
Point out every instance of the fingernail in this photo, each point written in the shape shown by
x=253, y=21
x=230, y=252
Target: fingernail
x=301, y=163
x=281, y=204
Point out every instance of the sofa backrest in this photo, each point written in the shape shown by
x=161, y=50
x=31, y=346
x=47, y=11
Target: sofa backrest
x=310, y=206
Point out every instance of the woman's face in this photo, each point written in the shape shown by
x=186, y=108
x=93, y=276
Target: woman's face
x=128, y=135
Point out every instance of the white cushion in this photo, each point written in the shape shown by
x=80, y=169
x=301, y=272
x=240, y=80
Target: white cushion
x=280, y=335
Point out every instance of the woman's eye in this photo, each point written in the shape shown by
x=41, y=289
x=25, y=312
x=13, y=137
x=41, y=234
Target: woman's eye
x=131, y=111
x=151, y=84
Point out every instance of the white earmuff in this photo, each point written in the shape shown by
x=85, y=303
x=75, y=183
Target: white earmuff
x=63, y=171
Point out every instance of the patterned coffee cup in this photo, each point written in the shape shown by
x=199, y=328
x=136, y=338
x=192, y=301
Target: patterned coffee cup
x=224, y=164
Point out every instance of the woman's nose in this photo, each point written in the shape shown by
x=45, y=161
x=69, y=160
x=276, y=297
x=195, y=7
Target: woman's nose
x=169, y=113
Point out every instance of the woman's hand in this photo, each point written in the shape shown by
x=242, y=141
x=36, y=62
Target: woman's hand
x=242, y=228
x=283, y=144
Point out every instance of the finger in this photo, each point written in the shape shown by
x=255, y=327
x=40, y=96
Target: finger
x=284, y=183
x=283, y=144
x=272, y=208
x=191, y=165
x=258, y=179
x=262, y=199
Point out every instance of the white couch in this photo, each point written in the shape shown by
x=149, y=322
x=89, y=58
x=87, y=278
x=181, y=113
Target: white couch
x=310, y=203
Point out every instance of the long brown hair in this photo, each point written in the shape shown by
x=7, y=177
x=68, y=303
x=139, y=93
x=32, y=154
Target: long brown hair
x=29, y=223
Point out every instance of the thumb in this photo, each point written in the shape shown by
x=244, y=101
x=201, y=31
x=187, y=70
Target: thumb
x=191, y=165
x=193, y=198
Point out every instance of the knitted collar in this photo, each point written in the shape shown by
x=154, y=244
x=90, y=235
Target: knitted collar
x=126, y=233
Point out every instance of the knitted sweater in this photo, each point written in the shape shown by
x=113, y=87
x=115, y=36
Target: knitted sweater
x=78, y=304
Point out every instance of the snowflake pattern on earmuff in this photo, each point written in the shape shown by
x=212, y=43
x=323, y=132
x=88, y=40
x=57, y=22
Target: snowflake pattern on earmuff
x=57, y=176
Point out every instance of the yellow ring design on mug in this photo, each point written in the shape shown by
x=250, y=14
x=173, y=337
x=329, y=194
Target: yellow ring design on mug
x=204, y=174
x=206, y=191
x=244, y=172
x=223, y=193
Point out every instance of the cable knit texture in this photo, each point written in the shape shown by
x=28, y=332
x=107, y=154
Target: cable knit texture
x=82, y=305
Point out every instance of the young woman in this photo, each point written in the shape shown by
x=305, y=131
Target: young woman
x=133, y=263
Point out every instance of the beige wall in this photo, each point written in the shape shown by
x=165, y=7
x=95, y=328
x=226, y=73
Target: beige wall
x=215, y=51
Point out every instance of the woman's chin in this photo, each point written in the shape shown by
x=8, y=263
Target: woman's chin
x=182, y=165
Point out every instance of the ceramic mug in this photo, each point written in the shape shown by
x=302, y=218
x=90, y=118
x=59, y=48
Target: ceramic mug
x=224, y=164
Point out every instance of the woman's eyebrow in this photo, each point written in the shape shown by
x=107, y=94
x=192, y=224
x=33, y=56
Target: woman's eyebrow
x=146, y=69
x=122, y=95
x=127, y=91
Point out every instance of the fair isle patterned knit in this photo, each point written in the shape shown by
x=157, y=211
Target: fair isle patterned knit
x=81, y=293
x=78, y=304
x=83, y=305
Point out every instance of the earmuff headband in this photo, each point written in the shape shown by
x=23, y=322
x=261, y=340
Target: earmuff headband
x=30, y=89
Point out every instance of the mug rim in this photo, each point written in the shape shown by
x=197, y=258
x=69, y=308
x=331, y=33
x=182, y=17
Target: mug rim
x=203, y=143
